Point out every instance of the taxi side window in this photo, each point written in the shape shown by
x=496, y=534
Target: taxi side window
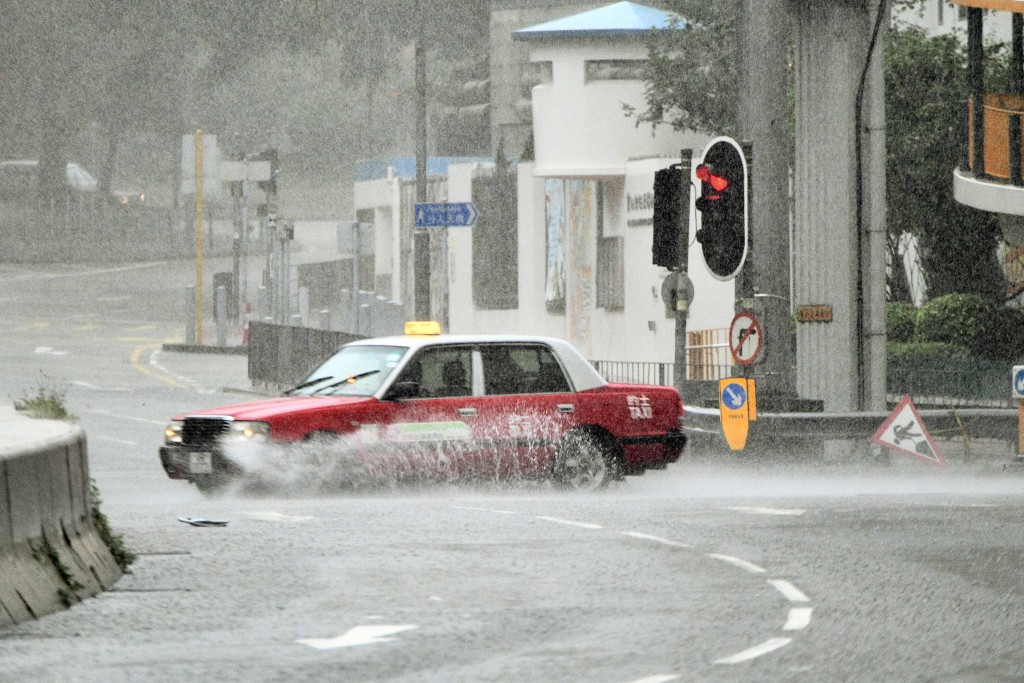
x=445, y=372
x=521, y=369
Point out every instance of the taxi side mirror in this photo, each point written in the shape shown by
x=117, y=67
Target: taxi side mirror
x=401, y=390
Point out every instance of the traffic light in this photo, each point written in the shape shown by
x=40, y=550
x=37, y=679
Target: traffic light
x=668, y=218
x=722, y=205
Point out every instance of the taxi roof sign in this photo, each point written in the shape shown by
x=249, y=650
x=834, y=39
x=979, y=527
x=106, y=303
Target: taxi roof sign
x=422, y=328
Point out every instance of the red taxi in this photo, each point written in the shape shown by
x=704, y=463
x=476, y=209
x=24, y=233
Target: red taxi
x=491, y=406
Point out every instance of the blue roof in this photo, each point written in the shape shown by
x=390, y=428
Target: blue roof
x=612, y=21
x=405, y=167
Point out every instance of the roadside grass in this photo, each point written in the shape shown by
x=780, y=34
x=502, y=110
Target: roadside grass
x=46, y=403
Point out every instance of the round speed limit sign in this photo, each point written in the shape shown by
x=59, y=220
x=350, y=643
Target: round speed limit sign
x=746, y=339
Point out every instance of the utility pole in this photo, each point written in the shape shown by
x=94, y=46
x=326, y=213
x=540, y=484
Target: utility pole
x=421, y=238
x=764, y=27
x=683, y=285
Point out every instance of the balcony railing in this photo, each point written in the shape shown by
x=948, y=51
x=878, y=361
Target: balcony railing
x=1002, y=152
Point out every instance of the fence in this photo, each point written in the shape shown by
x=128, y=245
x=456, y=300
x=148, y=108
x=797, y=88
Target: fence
x=283, y=355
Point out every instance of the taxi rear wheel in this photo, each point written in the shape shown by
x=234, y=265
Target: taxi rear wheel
x=586, y=462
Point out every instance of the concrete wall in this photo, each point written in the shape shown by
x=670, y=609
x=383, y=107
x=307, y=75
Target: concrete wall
x=51, y=555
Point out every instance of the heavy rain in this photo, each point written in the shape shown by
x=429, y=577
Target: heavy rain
x=786, y=233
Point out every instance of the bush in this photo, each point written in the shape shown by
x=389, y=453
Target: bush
x=911, y=351
x=900, y=321
x=964, y=319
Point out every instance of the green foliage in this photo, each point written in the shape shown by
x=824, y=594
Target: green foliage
x=900, y=320
x=987, y=330
x=47, y=403
x=914, y=351
x=114, y=541
x=691, y=73
x=926, y=88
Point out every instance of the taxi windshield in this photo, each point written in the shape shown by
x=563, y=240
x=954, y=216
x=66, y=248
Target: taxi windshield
x=353, y=371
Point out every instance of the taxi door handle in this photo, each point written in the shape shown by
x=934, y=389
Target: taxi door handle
x=467, y=412
x=566, y=407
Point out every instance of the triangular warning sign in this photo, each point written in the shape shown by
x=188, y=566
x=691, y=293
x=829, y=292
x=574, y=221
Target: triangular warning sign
x=904, y=431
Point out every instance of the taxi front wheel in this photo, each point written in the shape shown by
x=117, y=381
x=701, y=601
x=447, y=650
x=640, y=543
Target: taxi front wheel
x=586, y=462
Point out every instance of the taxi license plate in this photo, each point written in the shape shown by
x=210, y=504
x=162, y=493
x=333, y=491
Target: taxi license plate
x=200, y=463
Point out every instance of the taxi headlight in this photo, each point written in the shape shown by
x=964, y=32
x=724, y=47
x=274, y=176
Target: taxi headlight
x=248, y=431
x=172, y=432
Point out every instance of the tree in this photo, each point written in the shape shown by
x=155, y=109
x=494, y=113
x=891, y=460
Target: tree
x=926, y=87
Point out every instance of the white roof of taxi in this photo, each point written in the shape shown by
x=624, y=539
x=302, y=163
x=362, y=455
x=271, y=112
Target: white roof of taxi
x=581, y=372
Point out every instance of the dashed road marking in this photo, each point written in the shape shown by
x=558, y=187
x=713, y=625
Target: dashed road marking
x=737, y=562
x=764, y=648
x=569, y=522
x=789, y=591
x=766, y=511
x=799, y=618
x=656, y=539
x=494, y=510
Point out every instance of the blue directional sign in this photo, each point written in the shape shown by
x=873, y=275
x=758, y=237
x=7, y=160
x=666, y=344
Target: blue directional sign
x=1018, y=381
x=444, y=215
x=734, y=395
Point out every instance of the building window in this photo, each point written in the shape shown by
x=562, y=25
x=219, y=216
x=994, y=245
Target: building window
x=496, y=240
x=615, y=70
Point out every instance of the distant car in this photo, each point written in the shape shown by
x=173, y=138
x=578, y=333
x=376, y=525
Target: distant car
x=18, y=180
x=462, y=406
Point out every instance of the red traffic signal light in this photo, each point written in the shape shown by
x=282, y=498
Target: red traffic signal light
x=718, y=183
x=722, y=207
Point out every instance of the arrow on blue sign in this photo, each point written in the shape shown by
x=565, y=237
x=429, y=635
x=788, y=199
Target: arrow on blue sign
x=443, y=215
x=734, y=396
x=1018, y=382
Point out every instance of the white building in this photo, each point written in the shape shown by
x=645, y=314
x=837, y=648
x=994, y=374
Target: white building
x=572, y=258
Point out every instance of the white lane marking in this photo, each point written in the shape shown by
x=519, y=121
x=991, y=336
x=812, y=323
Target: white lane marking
x=663, y=678
x=766, y=511
x=764, y=648
x=494, y=510
x=83, y=273
x=50, y=351
x=122, y=441
x=558, y=520
x=799, y=618
x=107, y=413
x=791, y=592
x=184, y=380
x=656, y=539
x=89, y=385
x=360, y=635
x=737, y=562
x=269, y=516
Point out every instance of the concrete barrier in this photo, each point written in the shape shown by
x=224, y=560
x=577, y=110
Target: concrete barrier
x=51, y=554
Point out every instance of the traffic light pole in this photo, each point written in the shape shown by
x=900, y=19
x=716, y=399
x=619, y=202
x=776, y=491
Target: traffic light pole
x=683, y=285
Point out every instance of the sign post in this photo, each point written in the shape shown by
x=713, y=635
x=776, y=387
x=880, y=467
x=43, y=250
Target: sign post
x=1018, y=394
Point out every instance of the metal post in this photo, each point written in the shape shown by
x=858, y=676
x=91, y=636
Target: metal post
x=190, y=314
x=221, y=307
x=421, y=238
x=683, y=287
x=976, y=85
x=1015, y=150
x=243, y=284
x=199, y=236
